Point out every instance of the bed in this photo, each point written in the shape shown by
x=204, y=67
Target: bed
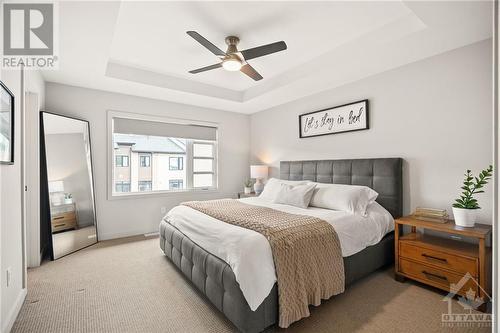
x=216, y=279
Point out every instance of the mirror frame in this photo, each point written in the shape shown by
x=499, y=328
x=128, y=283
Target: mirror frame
x=45, y=213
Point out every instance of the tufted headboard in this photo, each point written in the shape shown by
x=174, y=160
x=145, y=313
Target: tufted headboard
x=384, y=175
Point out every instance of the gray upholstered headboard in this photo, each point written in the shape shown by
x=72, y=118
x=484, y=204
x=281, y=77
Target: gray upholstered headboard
x=384, y=175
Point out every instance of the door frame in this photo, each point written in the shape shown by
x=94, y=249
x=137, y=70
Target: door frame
x=32, y=178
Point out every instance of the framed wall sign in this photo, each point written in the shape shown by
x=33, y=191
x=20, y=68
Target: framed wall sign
x=6, y=125
x=338, y=119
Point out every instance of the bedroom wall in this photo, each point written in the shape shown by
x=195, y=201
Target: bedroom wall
x=12, y=228
x=131, y=216
x=11, y=220
x=434, y=113
x=35, y=101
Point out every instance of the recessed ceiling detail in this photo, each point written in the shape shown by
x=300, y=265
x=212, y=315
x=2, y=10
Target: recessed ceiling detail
x=141, y=48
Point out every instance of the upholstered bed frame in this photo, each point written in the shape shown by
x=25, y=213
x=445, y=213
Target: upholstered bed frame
x=216, y=280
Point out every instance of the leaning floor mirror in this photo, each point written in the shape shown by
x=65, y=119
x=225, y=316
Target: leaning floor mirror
x=68, y=216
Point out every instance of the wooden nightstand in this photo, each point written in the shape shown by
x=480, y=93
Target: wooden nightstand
x=243, y=195
x=63, y=217
x=438, y=261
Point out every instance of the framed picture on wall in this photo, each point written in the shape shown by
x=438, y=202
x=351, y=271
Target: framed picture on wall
x=338, y=119
x=6, y=125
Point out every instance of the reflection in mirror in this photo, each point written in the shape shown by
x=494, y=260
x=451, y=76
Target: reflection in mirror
x=70, y=219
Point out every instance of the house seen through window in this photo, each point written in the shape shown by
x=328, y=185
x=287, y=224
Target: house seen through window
x=121, y=186
x=145, y=161
x=176, y=163
x=145, y=185
x=121, y=160
x=149, y=163
x=175, y=184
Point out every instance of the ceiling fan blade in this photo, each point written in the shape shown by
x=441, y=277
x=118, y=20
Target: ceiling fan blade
x=203, y=41
x=250, y=71
x=263, y=50
x=207, y=68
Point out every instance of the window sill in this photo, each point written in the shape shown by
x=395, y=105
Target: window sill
x=141, y=195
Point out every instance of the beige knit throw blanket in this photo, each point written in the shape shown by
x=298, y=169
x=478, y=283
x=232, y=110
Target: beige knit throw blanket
x=306, y=252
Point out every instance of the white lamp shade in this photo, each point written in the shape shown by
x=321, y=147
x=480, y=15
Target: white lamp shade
x=258, y=171
x=56, y=186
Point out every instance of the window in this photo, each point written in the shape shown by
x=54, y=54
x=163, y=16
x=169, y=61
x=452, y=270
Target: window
x=203, y=165
x=176, y=163
x=145, y=161
x=175, y=184
x=171, y=156
x=145, y=185
x=122, y=186
x=121, y=161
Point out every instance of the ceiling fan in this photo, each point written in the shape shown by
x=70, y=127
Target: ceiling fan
x=234, y=60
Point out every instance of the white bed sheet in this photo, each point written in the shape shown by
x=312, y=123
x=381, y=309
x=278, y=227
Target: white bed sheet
x=248, y=253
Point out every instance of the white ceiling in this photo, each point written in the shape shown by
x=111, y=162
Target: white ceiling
x=141, y=48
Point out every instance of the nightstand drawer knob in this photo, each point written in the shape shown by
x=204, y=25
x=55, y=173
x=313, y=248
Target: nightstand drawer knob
x=434, y=258
x=432, y=275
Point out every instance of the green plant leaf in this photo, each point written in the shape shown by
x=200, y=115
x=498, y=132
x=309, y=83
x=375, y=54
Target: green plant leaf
x=472, y=185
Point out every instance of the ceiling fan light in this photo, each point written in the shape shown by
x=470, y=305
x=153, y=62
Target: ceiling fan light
x=232, y=65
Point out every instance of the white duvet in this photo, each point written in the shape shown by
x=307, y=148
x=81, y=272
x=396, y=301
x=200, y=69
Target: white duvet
x=249, y=254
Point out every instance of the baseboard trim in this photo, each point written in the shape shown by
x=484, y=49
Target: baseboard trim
x=123, y=234
x=11, y=317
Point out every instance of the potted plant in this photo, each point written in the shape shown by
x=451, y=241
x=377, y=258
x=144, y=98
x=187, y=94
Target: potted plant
x=248, y=186
x=465, y=208
x=68, y=198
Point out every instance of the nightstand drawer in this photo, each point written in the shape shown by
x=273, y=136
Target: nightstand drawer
x=64, y=221
x=434, y=276
x=440, y=259
x=63, y=217
x=63, y=225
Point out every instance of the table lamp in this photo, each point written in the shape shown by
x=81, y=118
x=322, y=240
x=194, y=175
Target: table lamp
x=56, y=186
x=258, y=172
x=56, y=192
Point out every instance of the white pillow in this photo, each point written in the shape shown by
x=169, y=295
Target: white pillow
x=299, y=195
x=348, y=198
x=273, y=186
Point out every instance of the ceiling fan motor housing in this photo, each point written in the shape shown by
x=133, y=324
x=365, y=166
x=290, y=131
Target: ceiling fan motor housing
x=231, y=42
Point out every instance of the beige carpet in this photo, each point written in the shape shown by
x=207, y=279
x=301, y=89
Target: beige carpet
x=129, y=286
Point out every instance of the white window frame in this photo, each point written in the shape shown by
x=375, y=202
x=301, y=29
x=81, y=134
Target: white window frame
x=214, y=162
x=188, y=162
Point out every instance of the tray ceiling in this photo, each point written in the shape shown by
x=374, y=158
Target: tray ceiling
x=141, y=48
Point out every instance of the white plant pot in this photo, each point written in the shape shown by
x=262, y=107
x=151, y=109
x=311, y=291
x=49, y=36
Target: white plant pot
x=464, y=217
x=68, y=201
x=248, y=190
